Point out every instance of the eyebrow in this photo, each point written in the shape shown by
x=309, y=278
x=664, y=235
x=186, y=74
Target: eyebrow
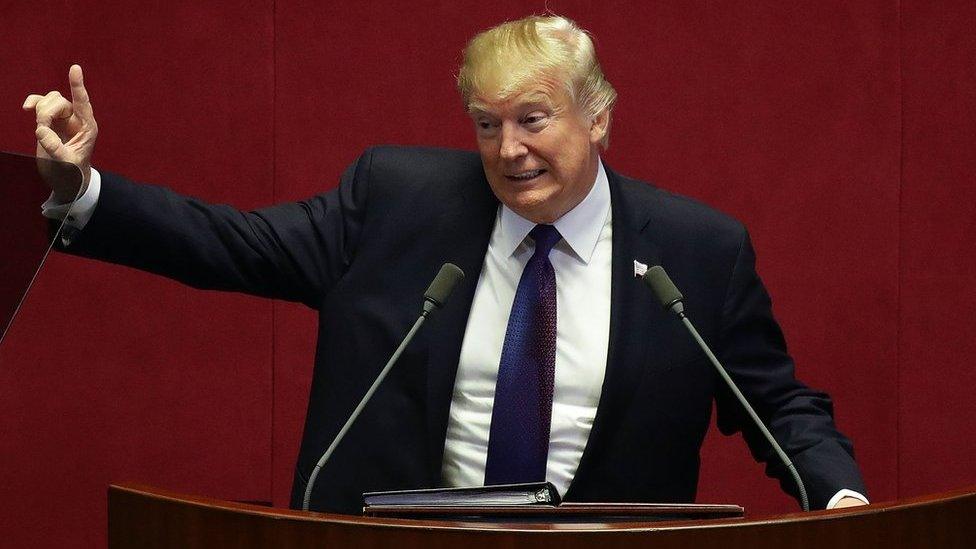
x=538, y=98
x=477, y=108
x=533, y=99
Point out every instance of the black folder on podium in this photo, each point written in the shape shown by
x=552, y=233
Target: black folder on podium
x=527, y=502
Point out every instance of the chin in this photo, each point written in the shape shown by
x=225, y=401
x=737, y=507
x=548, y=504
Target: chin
x=535, y=213
x=533, y=206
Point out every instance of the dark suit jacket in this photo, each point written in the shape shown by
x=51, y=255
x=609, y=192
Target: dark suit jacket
x=362, y=255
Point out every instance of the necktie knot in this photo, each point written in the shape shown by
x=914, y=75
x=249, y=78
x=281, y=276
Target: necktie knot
x=545, y=237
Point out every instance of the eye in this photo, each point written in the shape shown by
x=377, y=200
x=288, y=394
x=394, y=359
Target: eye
x=485, y=127
x=535, y=120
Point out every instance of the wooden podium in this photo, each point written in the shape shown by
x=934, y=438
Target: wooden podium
x=147, y=518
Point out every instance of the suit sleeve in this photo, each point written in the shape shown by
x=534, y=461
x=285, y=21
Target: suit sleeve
x=800, y=418
x=294, y=251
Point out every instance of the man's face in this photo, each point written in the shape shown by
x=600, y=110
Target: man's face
x=539, y=152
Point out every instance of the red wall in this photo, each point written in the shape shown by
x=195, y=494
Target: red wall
x=841, y=132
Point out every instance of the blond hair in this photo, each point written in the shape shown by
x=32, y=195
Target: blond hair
x=507, y=59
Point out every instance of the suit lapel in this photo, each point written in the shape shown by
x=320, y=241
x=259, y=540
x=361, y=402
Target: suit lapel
x=631, y=305
x=465, y=245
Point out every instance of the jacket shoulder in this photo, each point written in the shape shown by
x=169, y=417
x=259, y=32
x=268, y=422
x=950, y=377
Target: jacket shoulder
x=422, y=165
x=675, y=217
x=403, y=189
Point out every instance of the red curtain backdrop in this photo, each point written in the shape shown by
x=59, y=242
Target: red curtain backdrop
x=841, y=132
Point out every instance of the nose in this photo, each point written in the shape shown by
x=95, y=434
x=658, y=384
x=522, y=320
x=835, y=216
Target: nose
x=511, y=142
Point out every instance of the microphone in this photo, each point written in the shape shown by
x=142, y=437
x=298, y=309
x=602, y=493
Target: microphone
x=670, y=298
x=441, y=287
x=434, y=298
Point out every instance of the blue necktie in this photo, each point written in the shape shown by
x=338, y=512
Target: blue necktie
x=518, y=442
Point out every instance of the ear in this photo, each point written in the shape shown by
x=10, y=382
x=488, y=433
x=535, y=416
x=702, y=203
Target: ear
x=599, y=126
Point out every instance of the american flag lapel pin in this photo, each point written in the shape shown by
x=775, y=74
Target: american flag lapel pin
x=639, y=269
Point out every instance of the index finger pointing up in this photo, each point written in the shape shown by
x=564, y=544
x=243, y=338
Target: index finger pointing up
x=79, y=95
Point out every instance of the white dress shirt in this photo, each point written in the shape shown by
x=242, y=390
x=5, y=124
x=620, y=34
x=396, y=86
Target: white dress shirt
x=581, y=262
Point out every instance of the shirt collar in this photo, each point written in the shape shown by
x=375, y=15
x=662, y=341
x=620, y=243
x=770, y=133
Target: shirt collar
x=580, y=227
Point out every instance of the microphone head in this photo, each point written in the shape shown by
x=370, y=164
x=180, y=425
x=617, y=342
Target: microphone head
x=660, y=283
x=442, y=286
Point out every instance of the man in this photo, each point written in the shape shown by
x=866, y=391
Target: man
x=561, y=367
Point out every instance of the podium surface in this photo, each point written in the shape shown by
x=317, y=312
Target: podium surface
x=145, y=517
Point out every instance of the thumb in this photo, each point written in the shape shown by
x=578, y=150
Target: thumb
x=51, y=143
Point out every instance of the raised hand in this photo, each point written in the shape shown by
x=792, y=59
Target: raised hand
x=66, y=130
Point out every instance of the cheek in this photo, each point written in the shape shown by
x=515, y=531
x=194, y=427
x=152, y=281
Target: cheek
x=562, y=163
x=487, y=148
x=573, y=154
x=560, y=151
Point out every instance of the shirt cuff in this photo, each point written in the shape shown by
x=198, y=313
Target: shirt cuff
x=843, y=494
x=77, y=213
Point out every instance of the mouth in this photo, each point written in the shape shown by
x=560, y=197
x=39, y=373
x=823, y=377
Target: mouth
x=528, y=175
